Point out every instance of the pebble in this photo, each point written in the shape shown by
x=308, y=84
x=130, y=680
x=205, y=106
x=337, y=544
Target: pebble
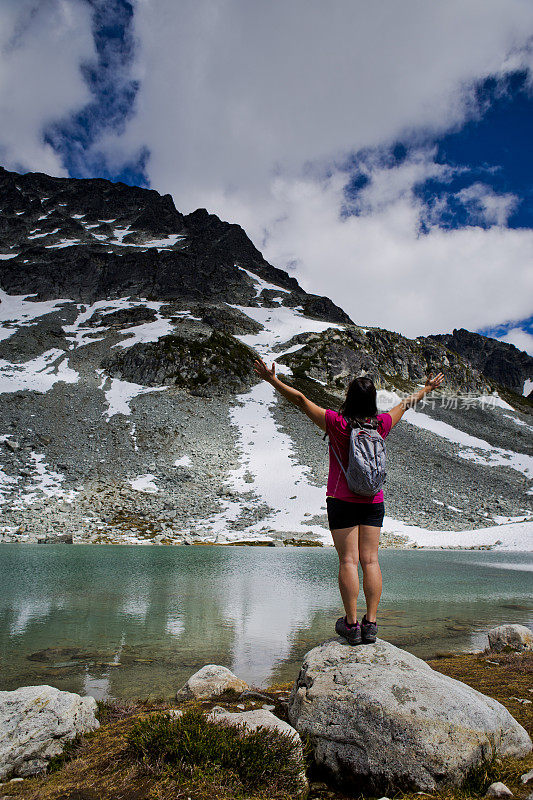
x=527, y=776
x=498, y=789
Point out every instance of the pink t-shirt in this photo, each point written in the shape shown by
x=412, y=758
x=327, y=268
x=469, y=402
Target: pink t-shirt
x=339, y=436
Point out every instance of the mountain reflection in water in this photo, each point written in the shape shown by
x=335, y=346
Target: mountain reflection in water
x=126, y=621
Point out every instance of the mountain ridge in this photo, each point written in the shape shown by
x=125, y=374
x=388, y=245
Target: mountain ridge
x=130, y=405
x=198, y=266
x=502, y=361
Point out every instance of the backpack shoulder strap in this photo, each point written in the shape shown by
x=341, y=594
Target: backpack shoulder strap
x=340, y=462
x=336, y=454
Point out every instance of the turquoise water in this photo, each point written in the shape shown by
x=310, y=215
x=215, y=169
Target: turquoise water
x=131, y=621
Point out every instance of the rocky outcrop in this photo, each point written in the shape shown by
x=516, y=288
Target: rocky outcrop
x=392, y=360
x=503, y=362
x=380, y=717
x=36, y=722
x=122, y=317
x=510, y=637
x=224, y=318
x=35, y=192
x=210, y=681
x=205, y=365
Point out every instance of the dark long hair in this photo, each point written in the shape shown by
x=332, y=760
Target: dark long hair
x=360, y=402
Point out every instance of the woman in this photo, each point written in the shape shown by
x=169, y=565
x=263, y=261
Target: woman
x=354, y=521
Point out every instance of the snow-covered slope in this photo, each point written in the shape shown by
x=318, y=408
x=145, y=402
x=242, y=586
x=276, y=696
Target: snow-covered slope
x=131, y=412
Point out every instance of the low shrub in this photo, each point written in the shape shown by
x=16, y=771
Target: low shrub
x=197, y=751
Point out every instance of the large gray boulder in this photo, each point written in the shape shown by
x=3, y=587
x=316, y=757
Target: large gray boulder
x=381, y=718
x=35, y=723
x=516, y=637
x=210, y=681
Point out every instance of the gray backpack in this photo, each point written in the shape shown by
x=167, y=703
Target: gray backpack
x=366, y=465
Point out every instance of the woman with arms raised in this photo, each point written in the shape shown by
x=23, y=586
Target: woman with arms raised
x=354, y=520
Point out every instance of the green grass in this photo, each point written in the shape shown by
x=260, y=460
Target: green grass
x=70, y=749
x=196, y=751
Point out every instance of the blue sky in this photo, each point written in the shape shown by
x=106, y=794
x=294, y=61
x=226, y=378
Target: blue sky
x=355, y=156
x=112, y=97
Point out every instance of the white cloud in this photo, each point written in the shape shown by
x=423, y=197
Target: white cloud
x=484, y=205
x=378, y=267
x=42, y=44
x=232, y=91
x=251, y=110
x=245, y=107
x=520, y=338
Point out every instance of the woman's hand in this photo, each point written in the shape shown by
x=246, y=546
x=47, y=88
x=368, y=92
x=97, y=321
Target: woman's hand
x=263, y=371
x=433, y=383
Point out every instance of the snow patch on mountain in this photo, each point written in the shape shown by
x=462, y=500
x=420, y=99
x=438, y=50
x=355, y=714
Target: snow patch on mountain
x=269, y=466
x=279, y=325
x=119, y=394
x=85, y=334
x=504, y=536
x=144, y=483
x=490, y=455
x=152, y=331
x=261, y=283
x=38, y=375
x=17, y=311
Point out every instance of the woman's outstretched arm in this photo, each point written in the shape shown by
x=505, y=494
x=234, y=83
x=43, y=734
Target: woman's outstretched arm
x=314, y=412
x=431, y=383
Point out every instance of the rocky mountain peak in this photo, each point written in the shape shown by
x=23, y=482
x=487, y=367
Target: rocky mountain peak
x=500, y=361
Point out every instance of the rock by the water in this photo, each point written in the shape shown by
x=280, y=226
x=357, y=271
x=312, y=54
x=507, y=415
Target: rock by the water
x=498, y=789
x=517, y=637
x=383, y=718
x=35, y=722
x=261, y=718
x=210, y=681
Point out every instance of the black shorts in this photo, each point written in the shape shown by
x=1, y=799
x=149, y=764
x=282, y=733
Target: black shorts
x=345, y=514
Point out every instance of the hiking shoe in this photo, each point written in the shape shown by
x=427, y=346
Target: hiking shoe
x=369, y=630
x=352, y=634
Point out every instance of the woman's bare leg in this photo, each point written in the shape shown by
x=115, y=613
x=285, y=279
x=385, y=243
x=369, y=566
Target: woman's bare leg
x=372, y=581
x=346, y=541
